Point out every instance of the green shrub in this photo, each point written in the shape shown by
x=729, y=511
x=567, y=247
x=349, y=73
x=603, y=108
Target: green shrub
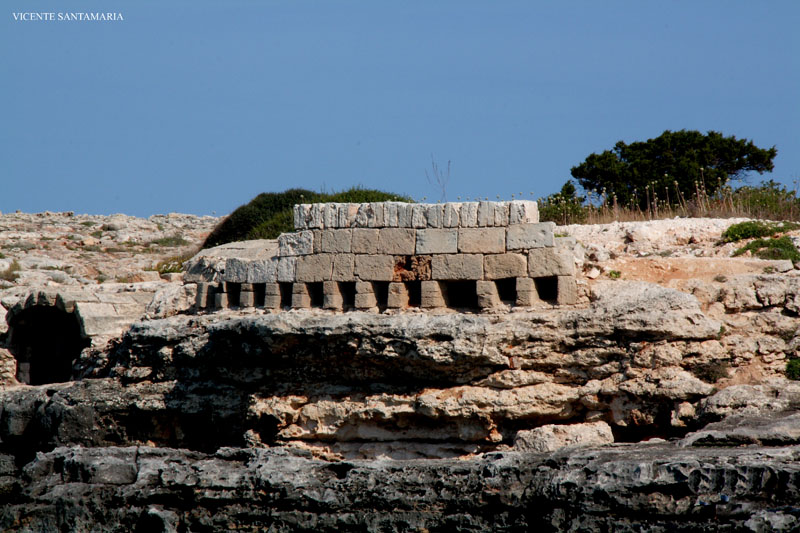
x=774, y=248
x=756, y=228
x=564, y=207
x=614, y=274
x=793, y=369
x=269, y=214
x=171, y=241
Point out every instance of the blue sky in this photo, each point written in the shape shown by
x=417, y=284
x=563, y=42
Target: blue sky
x=197, y=106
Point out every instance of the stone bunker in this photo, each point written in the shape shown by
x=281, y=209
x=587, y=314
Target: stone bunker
x=394, y=255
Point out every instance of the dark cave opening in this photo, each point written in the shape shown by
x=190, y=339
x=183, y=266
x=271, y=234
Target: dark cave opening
x=45, y=341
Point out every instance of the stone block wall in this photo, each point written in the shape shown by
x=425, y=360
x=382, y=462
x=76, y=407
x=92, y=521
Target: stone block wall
x=396, y=255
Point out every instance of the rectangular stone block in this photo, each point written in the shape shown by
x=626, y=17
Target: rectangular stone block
x=365, y=295
x=523, y=212
x=317, y=236
x=434, y=213
x=502, y=266
x=488, y=297
x=330, y=216
x=527, y=295
x=543, y=262
x=365, y=241
x=285, y=268
x=235, y=270
x=567, y=290
x=500, y=214
x=343, y=267
x=297, y=243
x=370, y=215
x=485, y=214
x=437, y=241
x=301, y=297
x=398, y=296
x=431, y=295
x=347, y=215
x=451, y=215
x=482, y=240
x=418, y=216
x=247, y=298
x=390, y=214
x=405, y=215
x=457, y=267
x=299, y=216
x=468, y=215
x=221, y=300
x=332, y=296
x=396, y=241
x=312, y=268
x=201, y=297
x=272, y=296
x=527, y=236
x=336, y=241
x=374, y=267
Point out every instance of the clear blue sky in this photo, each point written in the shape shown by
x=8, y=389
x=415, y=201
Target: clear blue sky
x=197, y=106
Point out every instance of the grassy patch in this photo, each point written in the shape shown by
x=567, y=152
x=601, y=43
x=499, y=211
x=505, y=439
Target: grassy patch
x=756, y=228
x=172, y=264
x=88, y=223
x=12, y=272
x=97, y=234
x=614, y=274
x=774, y=248
x=171, y=241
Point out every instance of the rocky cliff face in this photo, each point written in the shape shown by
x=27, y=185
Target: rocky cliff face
x=644, y=408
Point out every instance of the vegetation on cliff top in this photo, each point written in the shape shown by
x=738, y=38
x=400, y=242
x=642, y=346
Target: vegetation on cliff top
x=269, y=214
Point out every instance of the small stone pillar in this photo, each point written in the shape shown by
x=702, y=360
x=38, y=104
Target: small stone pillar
x=331, y=295
x=398, y=296
x=567, y=290
x=526, y=292
x=488, y=297
x=272, y=296
x=247, y=297
x=220, y=297
x=431, y=296
x=203, y=294
x=301, y=297
x=365, y=295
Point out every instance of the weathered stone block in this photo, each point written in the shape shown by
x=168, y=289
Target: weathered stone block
x=527, y=236
x=365, y=241
x=451, y=216
x=374, y=267
x=567, y=290
x=457, y=267
x=330, y=215
x=523, y=212
x=398, y=296
x=437, y=241
x=285, y=268
x=235, y=270
x=343, y=267
x=299, y=216
x=468, y=215
x=370, y=215
x=346, y=215
x=405, y=215
x=297, y=243
x=501, y=266
x=247, y=298
x=431, y=295
x=301, y=297
x=332, y=296
x=500, y=214
x=544, y=262
x=365, y=295
x=202, y=294
x=434, y=213
x=482, y=240
x=336, y=241
x=272, y=296
x=221, y=300
x=418, y=216
x=526, y=292
x=397, y=241
x=390, y=214
x=485, y=214
x=488, y=296
x=311, y=268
